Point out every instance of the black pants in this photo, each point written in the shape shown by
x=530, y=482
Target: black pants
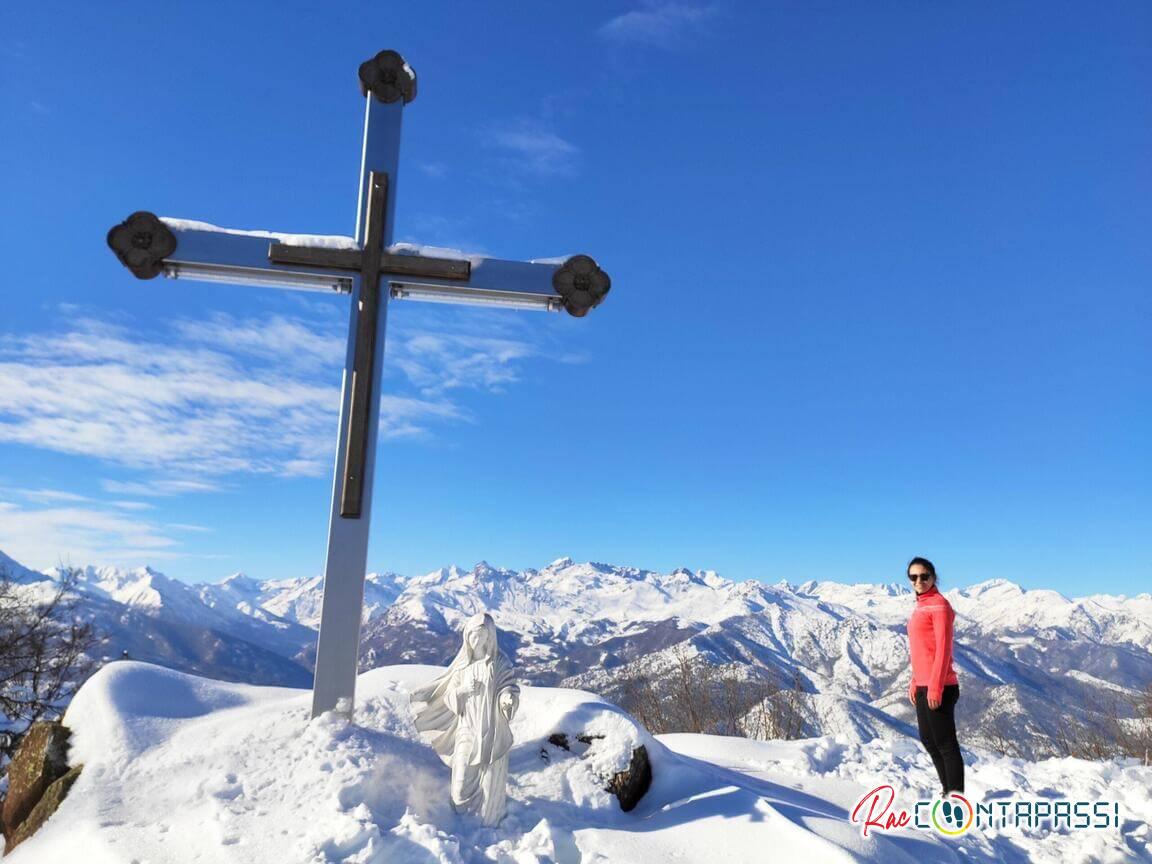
x=938, y=735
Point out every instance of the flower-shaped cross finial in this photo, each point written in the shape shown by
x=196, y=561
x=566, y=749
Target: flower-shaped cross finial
x=581, y=283
x=388, y=78
x=142, y=242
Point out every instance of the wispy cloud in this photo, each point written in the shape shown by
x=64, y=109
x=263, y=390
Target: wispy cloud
x=224, y=397
x=100, y=391
x=662, y=24
x=50, y=496
x=284, y=340
x=159, y=487
x=435, y=170
x=43, y=536
x=60, y=496
x=438, y=362
x=535, y=149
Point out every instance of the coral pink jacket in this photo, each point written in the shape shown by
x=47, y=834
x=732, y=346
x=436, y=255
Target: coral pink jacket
x=930, y=642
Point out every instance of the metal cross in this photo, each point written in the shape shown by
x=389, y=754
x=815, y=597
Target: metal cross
x=149, y=246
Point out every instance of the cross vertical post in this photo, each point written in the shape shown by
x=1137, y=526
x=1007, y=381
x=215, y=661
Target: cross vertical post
x=346, y=560
x=373, y=271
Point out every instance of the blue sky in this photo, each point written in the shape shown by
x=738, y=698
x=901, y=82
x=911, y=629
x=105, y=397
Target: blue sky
x=880, y=288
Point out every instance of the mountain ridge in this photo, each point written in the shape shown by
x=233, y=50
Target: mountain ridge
x=1020, y=653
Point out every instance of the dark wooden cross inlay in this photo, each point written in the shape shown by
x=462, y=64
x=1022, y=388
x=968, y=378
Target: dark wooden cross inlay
x=371, y=263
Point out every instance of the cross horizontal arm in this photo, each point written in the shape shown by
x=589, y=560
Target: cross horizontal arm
x=149, y=246
x=575, y=284
x=345, y=259
x=414, y=276
x=214, y=255
x=492, y=281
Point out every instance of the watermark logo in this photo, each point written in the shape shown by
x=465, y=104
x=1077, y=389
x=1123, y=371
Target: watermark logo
x=956, y=814
x=952, y=816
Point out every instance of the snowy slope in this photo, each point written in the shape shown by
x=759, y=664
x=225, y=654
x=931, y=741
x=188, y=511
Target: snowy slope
x=298, y=600
x=17, y=572
x=179, y=768
x=159, y=619
x=838, y=771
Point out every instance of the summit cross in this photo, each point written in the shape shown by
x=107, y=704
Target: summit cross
x=371, y=273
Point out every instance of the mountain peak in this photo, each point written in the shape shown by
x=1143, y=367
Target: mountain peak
x=998, y=584
x=17, y=572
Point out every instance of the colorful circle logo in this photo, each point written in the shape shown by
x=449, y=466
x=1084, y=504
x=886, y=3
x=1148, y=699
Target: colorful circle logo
x=953, y=815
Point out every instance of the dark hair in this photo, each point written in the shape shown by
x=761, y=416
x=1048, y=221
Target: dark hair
x=926, y=564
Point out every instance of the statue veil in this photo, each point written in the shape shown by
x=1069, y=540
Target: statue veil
x=470, y=706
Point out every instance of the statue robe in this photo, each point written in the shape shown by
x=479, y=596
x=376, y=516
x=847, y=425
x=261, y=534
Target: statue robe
x=463, y=706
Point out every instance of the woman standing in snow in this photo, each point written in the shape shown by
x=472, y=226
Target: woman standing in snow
x=934, y=688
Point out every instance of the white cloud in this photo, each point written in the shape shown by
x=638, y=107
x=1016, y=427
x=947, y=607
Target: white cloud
x=281, y=339
x=61, y=496
x=536, y=150
x=45, y=537
x=663, y=24
x=227, y=396
x=159, y=488
x=48, y=496
x=435, y=362
x=236, y=398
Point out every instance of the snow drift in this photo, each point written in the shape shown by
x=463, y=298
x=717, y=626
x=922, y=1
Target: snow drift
x=181, y=768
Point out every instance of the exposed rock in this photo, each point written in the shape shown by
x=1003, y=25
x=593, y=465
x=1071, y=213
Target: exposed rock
x=630, y=784
x=556, y=739
x=41, y=760
x=44, y=808
x=560, y=739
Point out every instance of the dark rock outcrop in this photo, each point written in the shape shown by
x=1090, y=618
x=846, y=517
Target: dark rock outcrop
x=41, y=760
x=630, y=784
x=44, y=808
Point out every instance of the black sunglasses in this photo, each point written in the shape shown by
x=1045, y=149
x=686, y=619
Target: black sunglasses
x=919, y=577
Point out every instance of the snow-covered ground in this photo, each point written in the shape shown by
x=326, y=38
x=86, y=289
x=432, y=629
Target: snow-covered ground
x=180, y=768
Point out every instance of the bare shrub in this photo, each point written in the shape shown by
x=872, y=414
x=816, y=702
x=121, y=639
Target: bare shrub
x=782, y=714
x=697, y=695
x=1122, y=728
x=43, y=655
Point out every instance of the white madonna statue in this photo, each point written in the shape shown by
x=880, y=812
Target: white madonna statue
x=471, y=705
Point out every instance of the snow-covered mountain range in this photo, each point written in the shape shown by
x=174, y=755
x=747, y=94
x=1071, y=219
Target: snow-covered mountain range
x=1030, y=662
